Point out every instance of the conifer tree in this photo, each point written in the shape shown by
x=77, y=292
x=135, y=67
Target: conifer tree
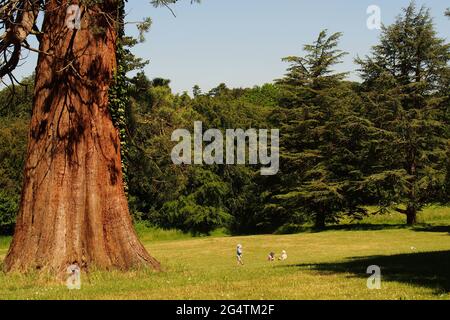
x=316, y=108
x=406, y=93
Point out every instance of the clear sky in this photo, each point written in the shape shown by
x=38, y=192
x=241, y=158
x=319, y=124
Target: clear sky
x=241, y=42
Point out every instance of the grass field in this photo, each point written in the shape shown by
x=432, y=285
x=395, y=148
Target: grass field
x=415, y=264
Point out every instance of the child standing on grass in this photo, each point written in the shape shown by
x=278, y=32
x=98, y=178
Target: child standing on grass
x=239, y=254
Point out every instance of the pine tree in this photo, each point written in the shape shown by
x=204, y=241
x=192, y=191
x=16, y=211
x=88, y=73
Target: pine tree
x=315, y=114
x=406, y=84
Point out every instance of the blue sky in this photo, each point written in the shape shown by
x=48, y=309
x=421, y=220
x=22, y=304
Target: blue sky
x=241, y=42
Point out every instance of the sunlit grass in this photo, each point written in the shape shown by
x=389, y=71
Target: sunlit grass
x=320, y=266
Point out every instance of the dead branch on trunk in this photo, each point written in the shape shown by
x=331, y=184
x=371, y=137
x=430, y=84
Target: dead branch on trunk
x=17, y=21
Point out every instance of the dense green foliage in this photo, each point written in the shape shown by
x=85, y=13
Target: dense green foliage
x=14, y=118
x=191, y=198
x=344, y=145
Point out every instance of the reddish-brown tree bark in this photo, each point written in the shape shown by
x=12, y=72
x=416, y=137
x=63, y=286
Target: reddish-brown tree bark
x=73, y=206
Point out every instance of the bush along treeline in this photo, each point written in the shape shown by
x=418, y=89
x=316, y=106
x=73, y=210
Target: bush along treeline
x=384, y=141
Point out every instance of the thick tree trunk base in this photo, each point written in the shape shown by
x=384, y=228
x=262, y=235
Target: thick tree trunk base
x=411, y=215
x=319, y=223
x=411, y=218
x=73, y=206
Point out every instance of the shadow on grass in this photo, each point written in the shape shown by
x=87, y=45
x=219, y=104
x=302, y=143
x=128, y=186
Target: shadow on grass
x=374, y=227
x=431, y=228
x=293, y=229
x=363, y=227
x=426, y=269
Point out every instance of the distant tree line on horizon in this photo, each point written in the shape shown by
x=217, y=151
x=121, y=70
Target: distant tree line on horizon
x=345, y=145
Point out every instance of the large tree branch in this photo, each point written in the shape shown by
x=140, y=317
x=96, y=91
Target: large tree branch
x=18, y=18
x=399, y=210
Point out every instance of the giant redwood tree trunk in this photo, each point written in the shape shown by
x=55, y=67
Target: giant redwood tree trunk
x=73, y=206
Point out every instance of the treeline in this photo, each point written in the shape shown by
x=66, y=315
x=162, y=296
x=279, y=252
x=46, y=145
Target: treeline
x=344, y=145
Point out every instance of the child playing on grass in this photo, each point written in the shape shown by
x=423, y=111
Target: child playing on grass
x=284, y=256
x=239, y=254
x=271, y=257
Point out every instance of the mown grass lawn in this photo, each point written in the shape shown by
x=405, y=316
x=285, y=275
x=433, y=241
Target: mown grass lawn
x=415, y=264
